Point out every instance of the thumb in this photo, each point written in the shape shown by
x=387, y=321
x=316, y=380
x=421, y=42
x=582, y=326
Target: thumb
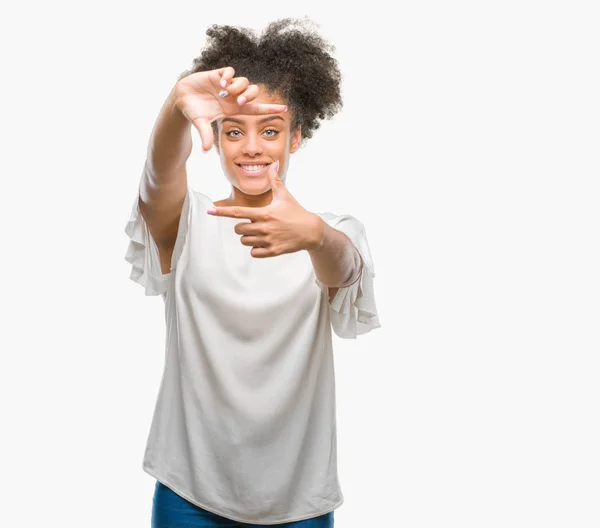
x=206, y=134
x=277, y=185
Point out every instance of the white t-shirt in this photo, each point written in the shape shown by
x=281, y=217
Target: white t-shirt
x=245, y=420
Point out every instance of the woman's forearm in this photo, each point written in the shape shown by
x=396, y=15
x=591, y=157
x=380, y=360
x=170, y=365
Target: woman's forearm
x=337, y=263
x=170, y=143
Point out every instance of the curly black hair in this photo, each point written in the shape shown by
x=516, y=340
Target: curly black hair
x=289, y=59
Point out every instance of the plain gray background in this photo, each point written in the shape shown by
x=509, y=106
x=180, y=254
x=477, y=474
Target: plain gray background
x=468, y=146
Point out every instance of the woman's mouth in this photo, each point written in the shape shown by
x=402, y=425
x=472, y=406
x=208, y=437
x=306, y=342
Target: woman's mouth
x=253, y=170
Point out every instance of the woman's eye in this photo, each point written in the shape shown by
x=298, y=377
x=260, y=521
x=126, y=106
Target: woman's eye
x=235, y=133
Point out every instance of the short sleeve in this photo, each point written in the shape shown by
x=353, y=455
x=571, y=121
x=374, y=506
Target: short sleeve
x=353, y=310
x=142, y=251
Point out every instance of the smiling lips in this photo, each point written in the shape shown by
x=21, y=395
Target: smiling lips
x=253, y=170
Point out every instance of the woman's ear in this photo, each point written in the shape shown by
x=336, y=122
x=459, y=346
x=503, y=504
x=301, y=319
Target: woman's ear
x=296, y=139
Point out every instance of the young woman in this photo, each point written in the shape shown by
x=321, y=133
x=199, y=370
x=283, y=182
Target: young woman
x=244, y=428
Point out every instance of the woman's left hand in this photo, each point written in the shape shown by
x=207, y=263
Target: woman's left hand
x=283, y=226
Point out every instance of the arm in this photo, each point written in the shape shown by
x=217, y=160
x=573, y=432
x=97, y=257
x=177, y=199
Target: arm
x=336, y=261
x=352, y=309
x=164, y=180
x=170, y=143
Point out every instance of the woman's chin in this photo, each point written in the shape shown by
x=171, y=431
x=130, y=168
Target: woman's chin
x=254, y=187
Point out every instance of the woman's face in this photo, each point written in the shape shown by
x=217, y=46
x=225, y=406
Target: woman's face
x=248, y=144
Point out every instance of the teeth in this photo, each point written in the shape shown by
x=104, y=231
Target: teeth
x=252, y=167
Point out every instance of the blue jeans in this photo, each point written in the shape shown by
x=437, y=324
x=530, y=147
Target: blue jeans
x=169, y=510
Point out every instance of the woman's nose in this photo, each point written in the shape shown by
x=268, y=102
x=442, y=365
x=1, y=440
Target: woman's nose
x=252, y=146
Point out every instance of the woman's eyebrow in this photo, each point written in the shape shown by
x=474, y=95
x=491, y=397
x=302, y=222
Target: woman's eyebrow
x=260, y=122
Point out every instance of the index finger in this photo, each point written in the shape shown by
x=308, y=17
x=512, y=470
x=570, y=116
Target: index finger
x=221, y=77
x=235, y=211
x=262, y=108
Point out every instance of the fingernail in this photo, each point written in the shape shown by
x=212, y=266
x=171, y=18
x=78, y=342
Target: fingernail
x=241, y=100
x=223, y=83
x=285, y=109
x=277, y=166
x=211, y=211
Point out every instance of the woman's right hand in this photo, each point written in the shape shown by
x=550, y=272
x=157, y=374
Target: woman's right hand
x=196, y=96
